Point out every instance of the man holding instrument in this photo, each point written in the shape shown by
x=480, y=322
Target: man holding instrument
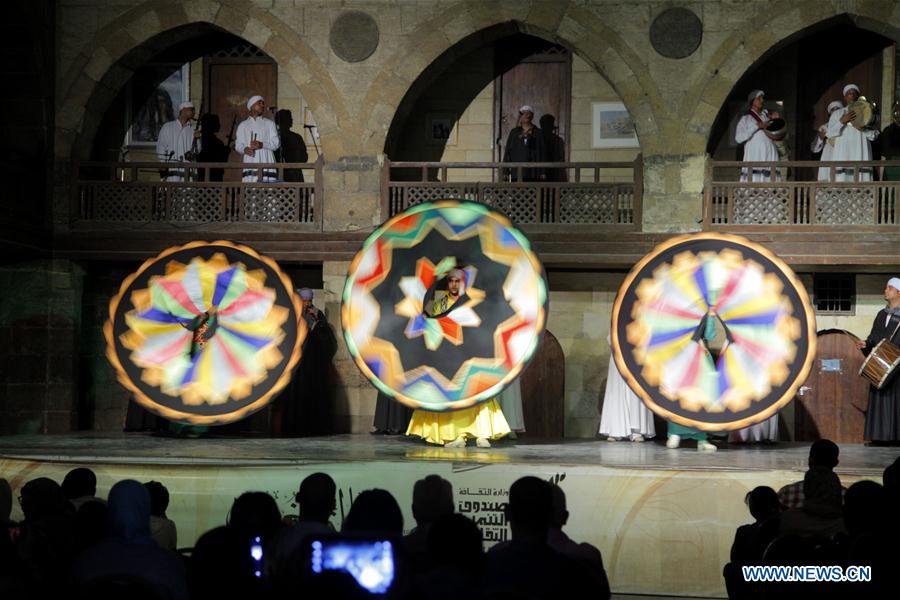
x=176, y=139
x=750, y=131
x=883, y=415
x=257, y=140
x=850, y=142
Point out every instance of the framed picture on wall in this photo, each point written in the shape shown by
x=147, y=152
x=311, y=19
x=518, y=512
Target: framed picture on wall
x=154, y=93
x=612, y=126
x=440, y=129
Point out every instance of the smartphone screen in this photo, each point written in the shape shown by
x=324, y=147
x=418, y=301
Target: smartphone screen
x=370, y=562
x=256, y=556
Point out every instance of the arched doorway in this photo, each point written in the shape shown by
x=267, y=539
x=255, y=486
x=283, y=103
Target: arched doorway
x=214, y=69
x=801, y=75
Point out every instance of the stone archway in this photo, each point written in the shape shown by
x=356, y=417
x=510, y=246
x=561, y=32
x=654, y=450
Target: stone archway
x=742, y=51
x=105, y=64
x=572, y=26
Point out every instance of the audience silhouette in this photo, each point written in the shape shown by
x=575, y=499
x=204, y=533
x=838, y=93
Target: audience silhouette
x=70, y=541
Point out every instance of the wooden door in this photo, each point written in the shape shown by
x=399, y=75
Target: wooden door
x=543, y=387
x=832, y=402
x=543, y=81
x=228, y=84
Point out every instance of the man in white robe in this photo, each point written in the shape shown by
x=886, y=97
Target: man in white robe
x=176, y=140
x=850, y=143
x=822, y=144
x=757, y=145
x=257, y=139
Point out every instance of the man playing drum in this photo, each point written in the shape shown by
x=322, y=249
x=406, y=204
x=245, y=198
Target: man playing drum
x=883, y=415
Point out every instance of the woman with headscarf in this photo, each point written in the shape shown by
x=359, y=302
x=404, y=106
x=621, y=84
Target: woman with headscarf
x=129, y=551
x=758, y=147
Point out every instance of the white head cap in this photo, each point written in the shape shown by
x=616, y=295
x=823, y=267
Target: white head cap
x=457, y=273
x=526, y=108
x=850, y=86
x=253, y=100
x=184, y=105
x=894, y=282
x=305, y=293
x=754, y=95
x=833, y=106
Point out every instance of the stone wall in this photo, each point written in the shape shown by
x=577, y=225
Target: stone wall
x=99, y=43
x=40, y=316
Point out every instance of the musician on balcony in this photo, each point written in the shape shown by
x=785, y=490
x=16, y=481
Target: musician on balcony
x=758, y=147
x=883, y=414
x=257, y=140
x=525, y=144
x=176, y=141
x=850, y=143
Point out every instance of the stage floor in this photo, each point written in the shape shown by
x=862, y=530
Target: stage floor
x=663, y=519
x=142, y=448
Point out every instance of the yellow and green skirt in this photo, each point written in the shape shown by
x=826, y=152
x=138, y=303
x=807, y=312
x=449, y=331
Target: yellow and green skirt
x=485, y=420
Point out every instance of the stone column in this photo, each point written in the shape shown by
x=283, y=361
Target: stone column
x=673, y=193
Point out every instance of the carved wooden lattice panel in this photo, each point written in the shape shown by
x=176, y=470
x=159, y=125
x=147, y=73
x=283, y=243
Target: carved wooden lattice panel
x=762, y=206
x=596, y=204
x=845, y=206
x=418, y=195
x=517, y=202
x=198, y=204
x=117, y=203
x=270, y=204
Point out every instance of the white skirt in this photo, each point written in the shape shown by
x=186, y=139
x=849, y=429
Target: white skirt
x=623, y=413
x=511, y=404
x=765, y=431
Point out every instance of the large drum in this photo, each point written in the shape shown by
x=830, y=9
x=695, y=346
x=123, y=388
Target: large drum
x=459, y=357
x=205, y=333
x=713, y=332
x=881, y=364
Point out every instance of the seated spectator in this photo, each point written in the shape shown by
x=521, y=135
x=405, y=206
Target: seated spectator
x=456, y=558
x=585, y=553
x=162, y=529
x=46, y=538
x=823, y=454
x=316, y=504
x=80, y=486
x=374, y=511
x=91, y=524
x=751, y=541
x=5, y=506
x=11, y=583
x=129, y=551
x=526, y=566
x=870, y=541
x=221, y=565
x=432, y=500
x=821, y=514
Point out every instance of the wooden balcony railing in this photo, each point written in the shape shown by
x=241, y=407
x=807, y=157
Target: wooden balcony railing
x=604, y=194
x=793, y=197
x=126, y=193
